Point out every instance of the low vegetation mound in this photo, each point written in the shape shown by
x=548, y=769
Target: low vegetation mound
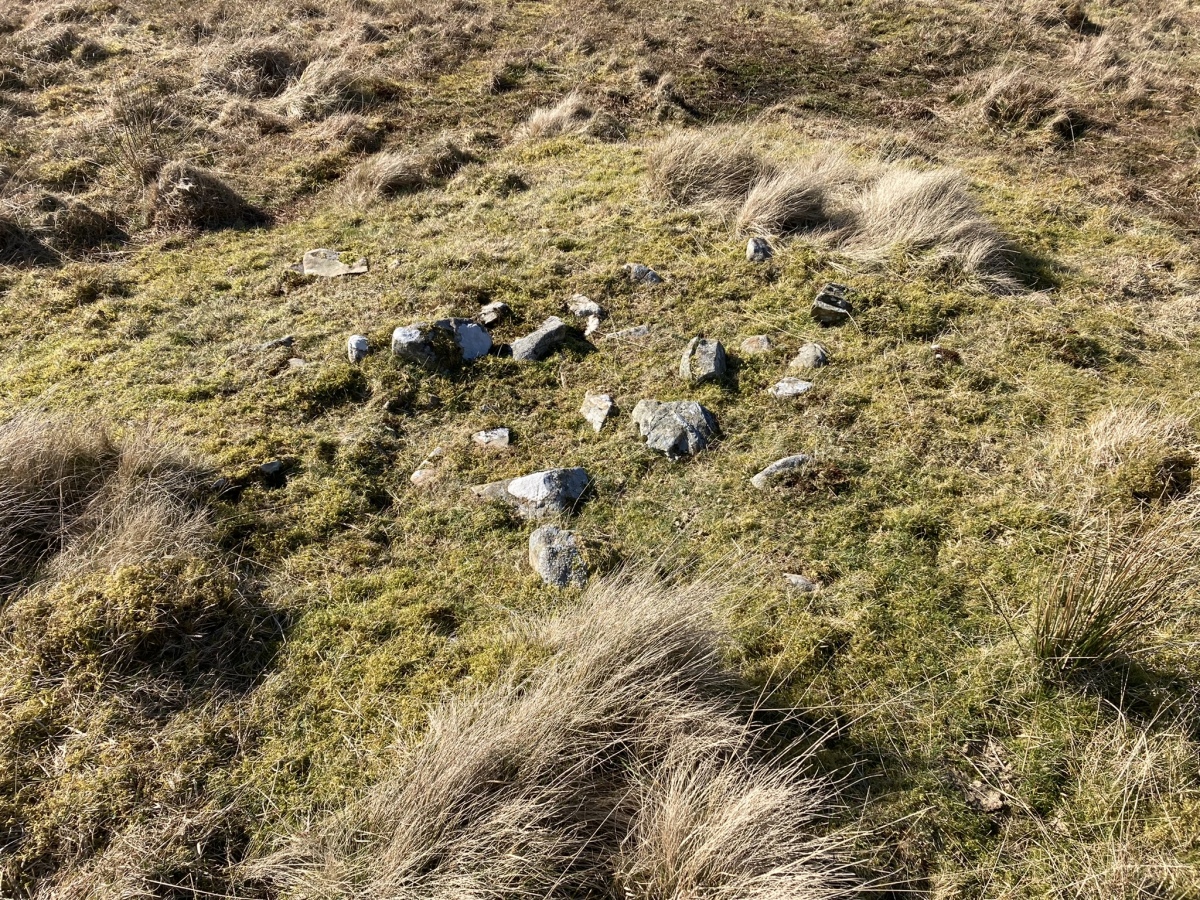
x=185, y=197
x=627, y=764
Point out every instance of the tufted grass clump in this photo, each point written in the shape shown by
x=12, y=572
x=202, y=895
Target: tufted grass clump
x=626, y=762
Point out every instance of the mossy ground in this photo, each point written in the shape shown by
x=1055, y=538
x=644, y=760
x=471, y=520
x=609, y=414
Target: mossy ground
x=940, y=494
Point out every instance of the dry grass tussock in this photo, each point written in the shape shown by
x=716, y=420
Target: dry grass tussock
x=571, y=115
x=72, y=498
x=399, y=172
x=253, y=68
x=624, y=766
x=872, y=212
x=186, y=197
x=1117, y=588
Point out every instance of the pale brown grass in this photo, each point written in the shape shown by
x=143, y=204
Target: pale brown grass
x=624, y=766
x=704, y=166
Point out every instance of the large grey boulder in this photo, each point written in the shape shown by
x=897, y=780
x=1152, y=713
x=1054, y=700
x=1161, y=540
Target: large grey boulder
x=779, y=469
x=678, y=428
x=703, y=360
x=554, y=555
x=538, y=344
x=472, y=339
x=539, y=494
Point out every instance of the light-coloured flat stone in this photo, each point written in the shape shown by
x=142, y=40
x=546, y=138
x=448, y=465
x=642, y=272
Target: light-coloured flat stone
x=328, y=264
x=597, y=408
x=790, y=387
x=493, y=438
x=779, y=469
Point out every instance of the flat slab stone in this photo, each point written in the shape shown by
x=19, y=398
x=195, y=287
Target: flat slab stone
x=678, y=428
x=703, y=360
x=357, y=347
x=790, y=387
x=582, y=307
x=493, y=438
x=539, y=494
x=779, y=469
x=597, y=408
x=554, y=555
x=492, y=313
x=811, y=356
x=328, y=264
x=832, y=305
x=538, y=344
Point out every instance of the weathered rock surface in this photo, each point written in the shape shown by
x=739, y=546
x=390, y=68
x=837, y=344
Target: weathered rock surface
x=492, y=313
x=790, y=387
x=641, y=274
x=800, y=583
x=832, y=305
x=421, y=343
x=597, y=408
x=538, y=344
x=703, y=360
x=636, y=333
x=328, y=264
x=473, y=340
x=810, y=356
x=678, y=428
x=779, y=469
x=757, y=344
x=758, y=250
x=539, y=494
x=493, y=438
x=357, y=348
x=554, y=555
x=584, y=307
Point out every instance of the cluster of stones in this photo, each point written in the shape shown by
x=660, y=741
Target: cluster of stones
x=678, y=429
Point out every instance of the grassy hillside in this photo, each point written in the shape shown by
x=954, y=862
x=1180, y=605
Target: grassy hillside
x=201, y=659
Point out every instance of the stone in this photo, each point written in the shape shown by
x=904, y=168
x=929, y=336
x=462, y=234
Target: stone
x=757, y=344
x=790, y=387
x=357, y=348
x=297, y=363
x=593, y=325
x=636, y=333
x=703, y=360
x=597, y=408
x=538, y=344
x=472, y=340
x=831, y=306
x=492, y=313
x=758, y=250
x=328, y=264
x=810, y=356
x=426, y=472
x=493, y=438
x=546, y=493
x=779, y=469
x=641, y=274
x=272, y=469
x=678, y=428
x=584, y=307
x=286, y=341
x=416, y=343
x=800, y=583
x=554, y=555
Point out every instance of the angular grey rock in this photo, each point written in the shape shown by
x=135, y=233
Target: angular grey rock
x=493, y=438
x=800, y=583
x=758, y=250
x=492, y=313
x=472, y=340
x=596, y=408
x=703, y=360
x=636, y=333
x=810, y=356
x=584, y=307
x=831, y=307
x=357, y=348
x=416, y=343
x=779, y=469
x=272, y=469
x=538, y=344
x=756, y=344
x=790, y=387
x=328, y=264
x=540, y=494
x=554, y=555
x=678, y=428
x=641, y=274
